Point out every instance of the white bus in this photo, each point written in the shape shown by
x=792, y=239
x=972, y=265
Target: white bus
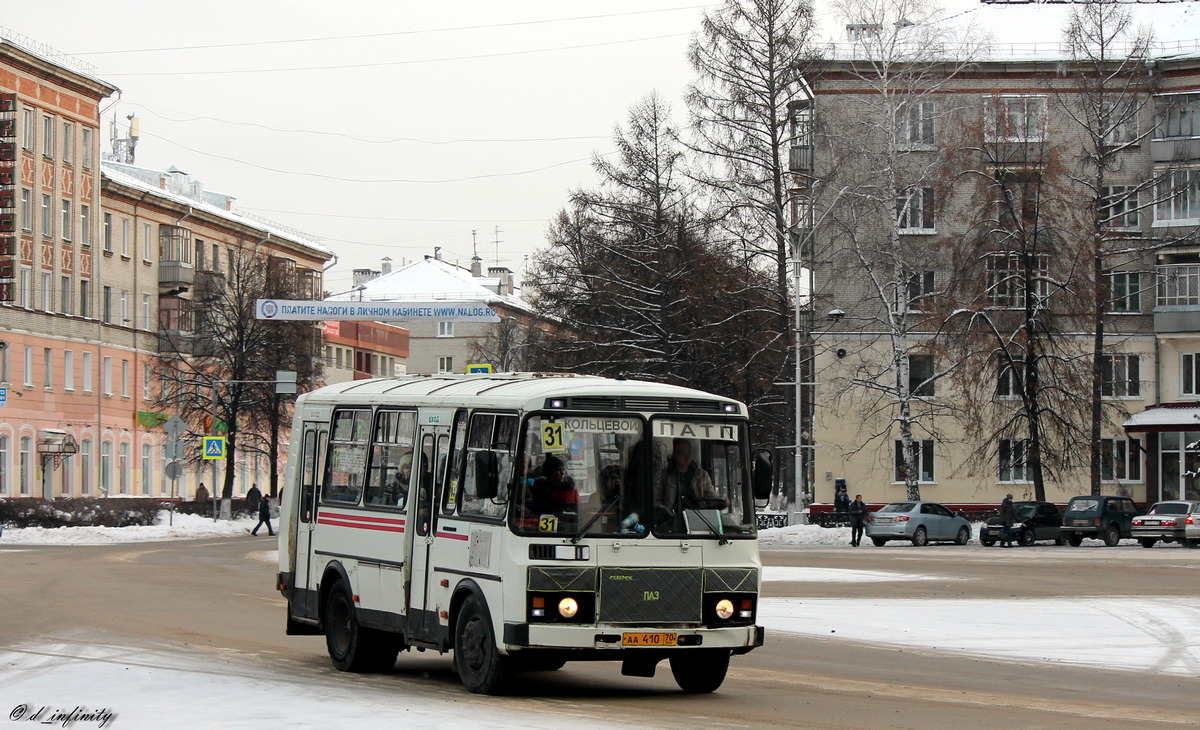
x=523, y=521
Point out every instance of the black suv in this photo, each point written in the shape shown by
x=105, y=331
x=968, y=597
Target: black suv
x=1034, y=521
x=1100, y=518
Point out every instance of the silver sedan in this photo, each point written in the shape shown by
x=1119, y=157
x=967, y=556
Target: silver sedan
x=1167, y=521
x=917, y=522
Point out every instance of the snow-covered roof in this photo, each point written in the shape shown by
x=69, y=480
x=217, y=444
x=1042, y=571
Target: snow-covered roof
x=432, y=279
x=1165, y=418
x=145, y=179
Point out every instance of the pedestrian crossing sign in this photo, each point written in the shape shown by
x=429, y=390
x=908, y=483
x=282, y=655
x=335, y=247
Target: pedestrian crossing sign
x=214, y=447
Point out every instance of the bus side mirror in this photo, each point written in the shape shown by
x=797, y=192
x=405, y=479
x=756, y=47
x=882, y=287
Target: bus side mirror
x=487, y=475
x=762, y=476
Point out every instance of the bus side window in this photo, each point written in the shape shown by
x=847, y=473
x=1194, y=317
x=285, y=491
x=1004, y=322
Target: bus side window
x=308, y=477
x=345, y=472
x=497, y=433
x=452, y=495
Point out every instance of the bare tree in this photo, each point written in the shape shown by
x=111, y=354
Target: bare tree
x=891, y=175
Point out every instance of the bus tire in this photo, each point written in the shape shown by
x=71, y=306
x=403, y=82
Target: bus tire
x=700, y=672
x=353, y=648
x=481, y=667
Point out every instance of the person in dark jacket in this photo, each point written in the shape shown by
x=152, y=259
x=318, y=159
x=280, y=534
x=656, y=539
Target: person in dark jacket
x=264, y=516
x=858, y=519
x=1007, y=517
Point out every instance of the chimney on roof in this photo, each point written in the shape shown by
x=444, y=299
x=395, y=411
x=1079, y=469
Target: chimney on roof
x=386, y=265
x=178, y=181
x=362, y=276
x=476, y=267
x=505, y=275
x=437, y=253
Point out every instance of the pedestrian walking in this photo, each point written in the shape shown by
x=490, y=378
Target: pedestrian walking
x=1007, y=517
x=858, y=519
x=264, y=516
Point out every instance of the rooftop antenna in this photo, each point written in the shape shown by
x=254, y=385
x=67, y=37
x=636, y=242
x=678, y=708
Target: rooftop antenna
x=123, y=148
x=497, y=230
x=474, y=245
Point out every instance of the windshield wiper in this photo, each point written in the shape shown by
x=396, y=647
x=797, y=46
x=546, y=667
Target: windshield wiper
x=689, y=504
x=588, y=525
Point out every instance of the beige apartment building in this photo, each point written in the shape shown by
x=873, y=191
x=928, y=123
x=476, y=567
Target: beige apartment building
x=906, y=284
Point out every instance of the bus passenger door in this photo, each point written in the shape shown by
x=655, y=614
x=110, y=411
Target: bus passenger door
x=304, y=519
x=430, y=468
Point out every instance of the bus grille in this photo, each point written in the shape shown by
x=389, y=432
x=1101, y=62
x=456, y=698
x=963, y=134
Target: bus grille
x=650, y=595
x=730, y=580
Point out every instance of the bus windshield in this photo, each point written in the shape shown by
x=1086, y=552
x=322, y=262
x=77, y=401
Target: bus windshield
x=580, y=474
x=699, y=479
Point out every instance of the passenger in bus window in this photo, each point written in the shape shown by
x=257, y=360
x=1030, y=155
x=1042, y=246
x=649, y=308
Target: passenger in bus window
x=397, y=492
x=553, y=489
x=606, y=498
x=684, y=482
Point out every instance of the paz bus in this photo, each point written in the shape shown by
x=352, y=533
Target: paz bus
x=521, y=521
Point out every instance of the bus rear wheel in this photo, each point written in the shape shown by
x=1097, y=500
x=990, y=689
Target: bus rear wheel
x=700, y=672
x=481, y=667
x=353, y=648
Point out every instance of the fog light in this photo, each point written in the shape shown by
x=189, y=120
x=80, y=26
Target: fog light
x=567, y=608
x=724, y=608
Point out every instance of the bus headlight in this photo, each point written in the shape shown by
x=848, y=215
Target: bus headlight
x=568, y=607
x=724, y=608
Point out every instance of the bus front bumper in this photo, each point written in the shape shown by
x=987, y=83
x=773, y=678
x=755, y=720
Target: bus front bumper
x=740, y=639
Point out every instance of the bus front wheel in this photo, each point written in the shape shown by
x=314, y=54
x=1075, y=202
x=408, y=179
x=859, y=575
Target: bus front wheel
x=481, y=667
x=700, y=672
x=353, y=648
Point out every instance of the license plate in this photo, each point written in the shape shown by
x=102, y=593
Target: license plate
x=1154, y=523
x=1079, y=522
x=649, y=639
x=883, y=520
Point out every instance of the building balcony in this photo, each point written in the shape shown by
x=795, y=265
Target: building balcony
x=1176, y=321
x=1177, y=301
x=174, y=343
x=1175, y=149
x=800, y=159
x=175, y=273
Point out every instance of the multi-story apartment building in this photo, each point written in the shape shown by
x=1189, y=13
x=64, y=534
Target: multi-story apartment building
x=905, y=198
x=99, y=265
x=360, y=350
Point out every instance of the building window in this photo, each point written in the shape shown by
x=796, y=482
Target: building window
x=47, y=368
x=27, y=377
x=1006, y=279
x=1189, y=366
x=24, y=293
x=124, y=306
x=1178, y=286
x=914, y=210
x=1176, y=115
x=1120, y=123
x=108, y=232
x=107, y=376
x=147, y=474
x=87, y=147
x=66, y=296
x=923, y=451
x=47, y=218
x=47, y=137
x=1120, y=208
x=145, y=310
x=47, y=293
x=146, y=381
x=1014, y=455
x=3, y=464
x=920, y=375
x=26, y=209
x=105, y=467
x=1008, y=378
x=1125, y=292
x=27, y=130
x=85, y=466
x=445, y=329
x=25, y=466
x=66, y=220
x=124, y=378
x=68, y=142
x=69, y=370
x=123, y=467
x=4, y=374
x=915, y=124
x=1015, y=118
x=1178, y=197
x=445, y=364
x=1120, y=460
x=85, y=298
x=85, y=225
x=106, y=304
x=87, y=372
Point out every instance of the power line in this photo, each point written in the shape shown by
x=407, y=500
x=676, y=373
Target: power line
x=400, y=63
x=390, y=34
x=403, y=220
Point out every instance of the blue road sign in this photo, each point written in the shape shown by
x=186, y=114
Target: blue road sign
x=214, y=447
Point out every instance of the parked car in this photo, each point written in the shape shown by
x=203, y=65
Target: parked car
x=1034, y=521
x=1191, y=529
x=1102, y=517
x=918, y=522
x=1165, y=522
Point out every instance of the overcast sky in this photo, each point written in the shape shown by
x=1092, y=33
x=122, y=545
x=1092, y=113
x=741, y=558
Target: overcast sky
x=388, y=127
